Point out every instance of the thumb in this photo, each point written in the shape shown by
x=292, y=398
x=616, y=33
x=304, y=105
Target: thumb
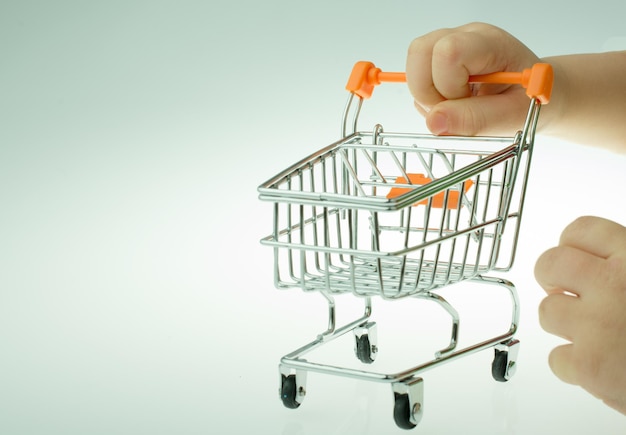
x=501, y=114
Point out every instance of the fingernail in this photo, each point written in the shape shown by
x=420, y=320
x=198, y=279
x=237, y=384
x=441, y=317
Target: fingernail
x=438, y=123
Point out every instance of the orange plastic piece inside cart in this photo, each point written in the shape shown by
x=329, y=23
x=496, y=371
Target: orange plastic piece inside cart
x=438, y=199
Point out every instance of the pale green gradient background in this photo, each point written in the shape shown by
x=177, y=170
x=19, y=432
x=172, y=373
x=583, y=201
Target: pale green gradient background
x=134, y=295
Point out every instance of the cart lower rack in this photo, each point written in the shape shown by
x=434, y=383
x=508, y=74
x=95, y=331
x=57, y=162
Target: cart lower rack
x=396, y=215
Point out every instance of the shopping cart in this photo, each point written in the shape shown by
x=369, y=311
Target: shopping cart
x=397, y=215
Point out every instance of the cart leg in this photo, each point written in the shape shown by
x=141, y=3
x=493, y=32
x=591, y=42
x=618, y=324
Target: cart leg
x=292, y=387
x=504, y=362
x=455, y=322
x=408, y=402
x=332, y=315
x=515, y=312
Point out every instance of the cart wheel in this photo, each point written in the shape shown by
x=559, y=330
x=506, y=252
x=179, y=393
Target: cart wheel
x=498, y=366
x=365, y=338
x=364, y=349
x=408, y=398
x=402, y=411
x=504, y=362
x=289, y=391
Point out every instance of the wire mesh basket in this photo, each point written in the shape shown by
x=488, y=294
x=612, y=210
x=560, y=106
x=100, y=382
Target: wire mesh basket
x=394, y=214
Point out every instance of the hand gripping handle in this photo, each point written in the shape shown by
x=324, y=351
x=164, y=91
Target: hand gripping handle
x=536, y=80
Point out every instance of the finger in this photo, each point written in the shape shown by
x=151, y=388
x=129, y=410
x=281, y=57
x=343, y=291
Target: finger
x=562, y=363
x=569, y=269
x=458, y=55
x=597, y=236
x=419, y=69
x=486, y=114
x=439, y=63
x=559, y=315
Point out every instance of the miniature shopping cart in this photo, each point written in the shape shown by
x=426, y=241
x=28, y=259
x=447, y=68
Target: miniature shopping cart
x=397, y=215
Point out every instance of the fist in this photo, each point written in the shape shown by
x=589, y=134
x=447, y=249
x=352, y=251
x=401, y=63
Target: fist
x=585, y=279
x=438, y=68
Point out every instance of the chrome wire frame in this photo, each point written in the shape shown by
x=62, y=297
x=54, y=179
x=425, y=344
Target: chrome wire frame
x=338, y=229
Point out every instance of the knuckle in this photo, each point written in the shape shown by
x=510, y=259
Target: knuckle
x=449, y=48
x=544, y=313
x=556, y=363
x=551, y=311
x=417, y=45
x=544, y=264
x=545, y=307
x=579, y=227
x=424, y=44
x=489, y=30
x=476, y=26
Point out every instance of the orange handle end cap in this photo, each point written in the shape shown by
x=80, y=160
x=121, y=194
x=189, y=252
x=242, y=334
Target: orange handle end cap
x=363, y=79
x=540, y=82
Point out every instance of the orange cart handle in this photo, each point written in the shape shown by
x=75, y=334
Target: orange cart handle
x=536, y=80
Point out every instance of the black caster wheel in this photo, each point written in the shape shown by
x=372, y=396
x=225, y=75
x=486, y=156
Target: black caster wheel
x=402, y=411
x=408, y=402
x=289, y=391
x=504, y=362
x=365, y=338
x=292, y=387
x=498, y=366
x=364, y=349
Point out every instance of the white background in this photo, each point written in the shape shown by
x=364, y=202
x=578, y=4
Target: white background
x=134, y=294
